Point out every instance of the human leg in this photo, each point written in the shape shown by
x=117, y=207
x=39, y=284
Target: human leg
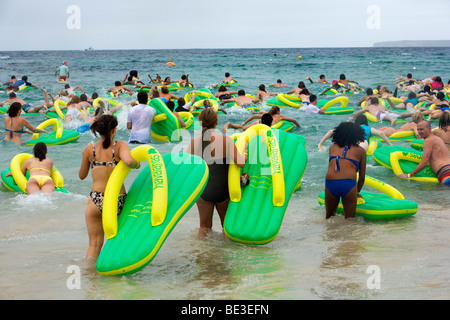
x=95, y=230
x=205, y=211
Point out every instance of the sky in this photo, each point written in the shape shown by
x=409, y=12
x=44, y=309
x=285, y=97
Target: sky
x=188, y=24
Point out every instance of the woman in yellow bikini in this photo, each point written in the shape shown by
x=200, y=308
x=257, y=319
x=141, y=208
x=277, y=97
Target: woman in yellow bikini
x=40, y=168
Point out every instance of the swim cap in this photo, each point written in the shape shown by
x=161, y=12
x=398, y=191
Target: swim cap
x=64, y=62
x=334, y=81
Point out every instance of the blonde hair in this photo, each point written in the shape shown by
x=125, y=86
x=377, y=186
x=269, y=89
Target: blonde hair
x=417, y=117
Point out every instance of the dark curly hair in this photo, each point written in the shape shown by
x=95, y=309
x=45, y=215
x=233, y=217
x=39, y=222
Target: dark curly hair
x=348, y=134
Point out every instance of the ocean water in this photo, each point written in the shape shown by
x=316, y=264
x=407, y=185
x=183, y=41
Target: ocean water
x=43, y=239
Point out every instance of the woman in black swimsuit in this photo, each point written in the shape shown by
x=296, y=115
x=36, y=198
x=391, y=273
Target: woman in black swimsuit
x=101, y=157
x=217, y=150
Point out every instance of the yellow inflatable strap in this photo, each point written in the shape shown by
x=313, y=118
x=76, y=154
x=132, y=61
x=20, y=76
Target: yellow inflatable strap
x=159, y=117
x=266, y=134
x=382, y=186
x=57, y=127
x=110, y=101
x=58, y=110
x=343, y=100
x=289, y=102
x=188, y=118
x=214, y=103
x=21, y=180
x=400, y=155
x=117, y=178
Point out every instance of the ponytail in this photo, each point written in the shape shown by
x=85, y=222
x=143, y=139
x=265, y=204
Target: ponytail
x=104, y=125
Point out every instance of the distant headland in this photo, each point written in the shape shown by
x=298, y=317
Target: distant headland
x=413, y=43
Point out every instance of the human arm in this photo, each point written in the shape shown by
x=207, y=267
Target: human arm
x=84, y=167
x=124, y=79
x=125, y=156
x=362, y=170
x=255, y=116
x=291, y=120
x=325, y=138
x=33, y=129
x=427, y=150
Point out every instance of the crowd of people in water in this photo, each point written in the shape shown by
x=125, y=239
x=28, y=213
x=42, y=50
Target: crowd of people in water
x=411, y=98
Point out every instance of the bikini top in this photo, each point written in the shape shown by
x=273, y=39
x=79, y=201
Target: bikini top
x=96, y=163
x=11, y=131
x=338, y=168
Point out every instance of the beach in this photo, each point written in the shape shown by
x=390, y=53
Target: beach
x=43, y=240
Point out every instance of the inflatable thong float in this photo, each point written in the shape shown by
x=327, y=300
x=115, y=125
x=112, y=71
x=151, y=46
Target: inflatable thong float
x=275, y=165
x=174, y=181
x=17, y=181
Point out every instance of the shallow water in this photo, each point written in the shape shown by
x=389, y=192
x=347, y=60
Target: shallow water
x=42, y=238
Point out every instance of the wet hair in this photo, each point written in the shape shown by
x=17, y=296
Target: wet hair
x=133, y=73
x=208, y=119
x=94, y=95
x=227, y=74
x=438, y=79
x=279, y=81
x=412, y=95
x=14, y=109
x=181, y=102
x=274, y=110
x=374, y=100
x=322, y=76
x=74, y=100
x=267, y=119
x=361, y=119
x=25, y=78
x=66, y=86
x=165, y=90
x=207, y=103
x=262, y=87
x=409, y=75
x=222, y=88
x=444, y=121
x=103, y=126
x=13, y=77
x=130, y=78
x=241, y=92
x=304, y=91
x=417, y=117
x=342, y=76
x=440, y=96
x=312, y=98
x=427, y=88
x=142, y=97
x=348, y=134
x=83, y=97
x=369, y=91
x=301, y=85
x=170, y=104
x=117, y=83
x=40, y=150
x=183, y=77
x=12, y=95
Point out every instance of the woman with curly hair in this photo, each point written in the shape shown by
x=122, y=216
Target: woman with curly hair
x=346, y=159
